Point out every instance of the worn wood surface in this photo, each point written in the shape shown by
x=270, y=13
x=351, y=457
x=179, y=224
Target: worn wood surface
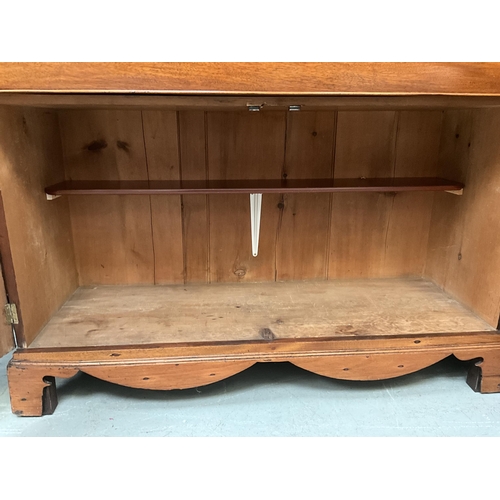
x=112, y=235
x=39, y=232
x=195, y=208
x=303, y=230
x=254, y=78
x=466, y=234
x=251, y=311
x=188, y=237
x=243, y=146
x=416, y=154
x=383, y=234
x=161, y=145
x=447, y=223
x=33, y=391
x=365, y=147
x=188, y=365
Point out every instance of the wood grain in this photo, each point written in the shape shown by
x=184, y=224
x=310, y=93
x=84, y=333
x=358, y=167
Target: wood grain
x=307, y=185
x=113, y=237
x=39, y=232
x=6, y=336
x=33, y=391
x=169, y=376
x=254, y=78
x=446, y=229
x=243, y=146
x=240, y=103
x=365, y=147
x=195, y=218
x=8, y=289
x=416, y=154
x=474, y=241
x=371, y=366
x=302, y=239
x=231, y=311
x=183, y=365
x=161, y=143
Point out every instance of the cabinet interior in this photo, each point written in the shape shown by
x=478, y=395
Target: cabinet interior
x=125, y=269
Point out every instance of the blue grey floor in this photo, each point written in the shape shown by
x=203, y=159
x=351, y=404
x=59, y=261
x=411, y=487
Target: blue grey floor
x=268, y=400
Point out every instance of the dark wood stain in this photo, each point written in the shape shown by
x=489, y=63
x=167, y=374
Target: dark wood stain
x=96, y=145
x=244, y=186
x=123, y=145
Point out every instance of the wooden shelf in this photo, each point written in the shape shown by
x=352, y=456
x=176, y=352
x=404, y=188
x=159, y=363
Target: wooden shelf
x=397, y=184
x=150, y=314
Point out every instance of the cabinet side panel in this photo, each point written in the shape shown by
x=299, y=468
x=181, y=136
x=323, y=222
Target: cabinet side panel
x=112, y=234
x=464, y=244
x=244, y=145
x=39, y=231
x=446, y=230
x=302, y=240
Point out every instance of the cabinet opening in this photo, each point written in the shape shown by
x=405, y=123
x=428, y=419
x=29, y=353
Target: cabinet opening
x=149, y=240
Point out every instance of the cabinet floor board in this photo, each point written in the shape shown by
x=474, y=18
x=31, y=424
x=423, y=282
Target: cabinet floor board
x=130, y=315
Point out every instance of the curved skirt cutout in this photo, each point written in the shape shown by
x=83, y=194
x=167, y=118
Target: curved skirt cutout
x=166, y=376
x=369, y=366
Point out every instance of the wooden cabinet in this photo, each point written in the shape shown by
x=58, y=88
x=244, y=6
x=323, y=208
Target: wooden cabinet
x=166, y=226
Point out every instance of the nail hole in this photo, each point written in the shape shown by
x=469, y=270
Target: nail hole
x=417, y=342
x=401, y=366
x=145, y=378
x=346, y=369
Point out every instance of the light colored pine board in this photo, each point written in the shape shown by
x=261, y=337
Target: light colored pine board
x=195, y=207
x=112, y=234
x=302, y=239
x=364, y=148
x=39, y=232
x=162, y=155
x=111, y=315
x=416, y=155
x=446, y=229
x=474, y=278
x=248, y=145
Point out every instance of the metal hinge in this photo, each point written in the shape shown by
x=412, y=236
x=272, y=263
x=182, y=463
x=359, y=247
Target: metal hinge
x=11, y=314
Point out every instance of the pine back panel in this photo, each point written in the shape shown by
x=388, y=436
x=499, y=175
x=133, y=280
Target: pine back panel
x=198, y=238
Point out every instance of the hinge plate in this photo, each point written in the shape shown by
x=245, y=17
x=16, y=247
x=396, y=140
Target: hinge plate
x=11, y=314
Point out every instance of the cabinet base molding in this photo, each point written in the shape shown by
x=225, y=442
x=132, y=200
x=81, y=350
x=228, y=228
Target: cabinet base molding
x=32, y=372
